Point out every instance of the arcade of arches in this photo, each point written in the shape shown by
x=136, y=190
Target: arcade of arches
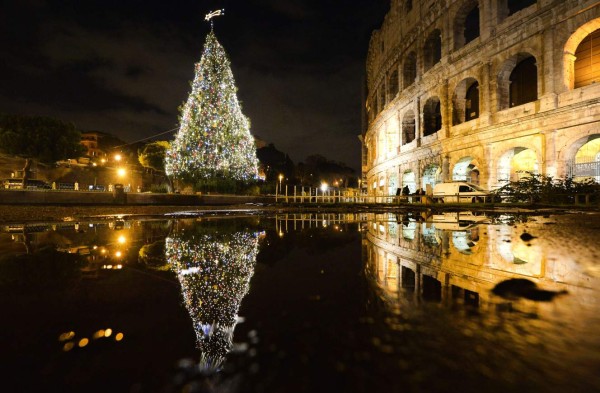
x=530, y=109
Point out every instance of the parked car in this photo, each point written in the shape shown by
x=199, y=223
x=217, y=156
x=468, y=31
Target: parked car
x=37, y=185
x=462, y=192
x=17, y=184
x=12, y=183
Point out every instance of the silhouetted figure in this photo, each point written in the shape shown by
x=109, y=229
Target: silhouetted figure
x=405, y=190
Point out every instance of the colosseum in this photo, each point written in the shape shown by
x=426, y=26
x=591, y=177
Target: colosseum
x=483, y=91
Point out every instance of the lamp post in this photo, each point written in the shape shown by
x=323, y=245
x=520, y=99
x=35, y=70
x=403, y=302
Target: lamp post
x=280, y=179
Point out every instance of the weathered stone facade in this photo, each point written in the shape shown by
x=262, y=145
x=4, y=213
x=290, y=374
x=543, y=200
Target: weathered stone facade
x=482, y=90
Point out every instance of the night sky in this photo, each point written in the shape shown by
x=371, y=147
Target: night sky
x=124, y=67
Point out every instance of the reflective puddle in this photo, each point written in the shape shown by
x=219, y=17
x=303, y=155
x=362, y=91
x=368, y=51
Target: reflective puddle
x=303, y=303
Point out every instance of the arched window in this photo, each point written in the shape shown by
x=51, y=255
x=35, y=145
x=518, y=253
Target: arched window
x=392, y=85
x=466, y=24
x=432, y=116
x=587, y=62
x=408, y=127
x=432, y=50
x=472, y=102
x=382, y=102
x=472, y=25
x=465, y=102
x=409, y=71
x=523, y=82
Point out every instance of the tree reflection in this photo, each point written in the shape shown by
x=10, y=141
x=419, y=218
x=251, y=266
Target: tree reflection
x=214, y=267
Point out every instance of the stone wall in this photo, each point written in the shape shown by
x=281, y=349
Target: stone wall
x=508, y=129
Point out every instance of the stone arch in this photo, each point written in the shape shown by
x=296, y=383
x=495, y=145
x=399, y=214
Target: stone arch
x=465, y=101
x=432, y=175
x=409, y=179
x=408, y=127
x=466, y=23
x=432, y=49
x=466, y=169
x=571, y=47
x=583, y=158
x=515, y=162
x=409, y=70
x=517, y=81
x=432, y=116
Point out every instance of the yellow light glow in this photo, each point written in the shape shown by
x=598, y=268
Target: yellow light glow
x=98, y=334
x=107, y=332
x=119, y=337
x=66, y=336
x=68, y=346
x=83, y=342
x=324, y=186
x=118, y=254
x=118, y=157
x=121, y=172
x=122, y=239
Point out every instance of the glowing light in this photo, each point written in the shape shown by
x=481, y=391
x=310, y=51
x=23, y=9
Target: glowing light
x=107, y=332
x=118, y=254
x=68, y=346
x=119, y=337
x=98, y=334
x=121, y=172
x=66, y=336
x=122, y=239
x=324, y=187
x=213, y=291
x=118, y=157
x=214, y=135
x=83, y=342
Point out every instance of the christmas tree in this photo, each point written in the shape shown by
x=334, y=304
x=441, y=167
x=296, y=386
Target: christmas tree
x=214, y=139
x=214, y=269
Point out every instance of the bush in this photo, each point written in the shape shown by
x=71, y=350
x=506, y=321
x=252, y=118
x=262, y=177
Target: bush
x=536, y=188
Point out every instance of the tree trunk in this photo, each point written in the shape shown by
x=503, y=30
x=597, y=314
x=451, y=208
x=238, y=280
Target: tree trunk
x=26, y=171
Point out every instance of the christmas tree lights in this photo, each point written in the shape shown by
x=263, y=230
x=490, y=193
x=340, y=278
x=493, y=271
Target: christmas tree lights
x=214, y=270
x=214, y=139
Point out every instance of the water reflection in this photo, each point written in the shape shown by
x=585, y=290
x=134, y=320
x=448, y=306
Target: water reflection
x=461, y=257
x=214, y=266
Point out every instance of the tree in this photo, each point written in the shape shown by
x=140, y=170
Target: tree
x=152, y=155
x=42, y=138
x=39, y=138
x=214, y=139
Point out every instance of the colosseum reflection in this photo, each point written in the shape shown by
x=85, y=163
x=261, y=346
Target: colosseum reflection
x=483, y=91
x=460, y=258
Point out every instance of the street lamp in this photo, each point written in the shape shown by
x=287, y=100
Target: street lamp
x=280, y=179
x=118, y=157
x=121, y=172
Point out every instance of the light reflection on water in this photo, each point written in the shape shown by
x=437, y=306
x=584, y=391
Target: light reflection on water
x=318, y=302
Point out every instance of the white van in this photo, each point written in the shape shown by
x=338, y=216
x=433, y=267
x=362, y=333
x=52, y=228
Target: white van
x=459, y=191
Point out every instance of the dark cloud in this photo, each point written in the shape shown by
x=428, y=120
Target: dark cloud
x=125, y=67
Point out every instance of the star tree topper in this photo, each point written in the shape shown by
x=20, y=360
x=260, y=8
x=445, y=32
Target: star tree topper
x=213, y=14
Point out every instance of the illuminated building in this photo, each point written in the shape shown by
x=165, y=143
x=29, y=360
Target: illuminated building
x=482, y=91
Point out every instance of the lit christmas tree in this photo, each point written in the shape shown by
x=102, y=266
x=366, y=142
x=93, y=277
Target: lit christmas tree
x=214, y=269
x=214, y=139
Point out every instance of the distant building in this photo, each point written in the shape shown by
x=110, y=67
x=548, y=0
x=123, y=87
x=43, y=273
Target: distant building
x=91, y=141
x=483, y=91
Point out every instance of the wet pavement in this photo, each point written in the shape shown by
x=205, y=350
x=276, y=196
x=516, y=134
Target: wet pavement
x=303, y=302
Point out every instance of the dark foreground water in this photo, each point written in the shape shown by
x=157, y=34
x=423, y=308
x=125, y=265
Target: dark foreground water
x=302, y=303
